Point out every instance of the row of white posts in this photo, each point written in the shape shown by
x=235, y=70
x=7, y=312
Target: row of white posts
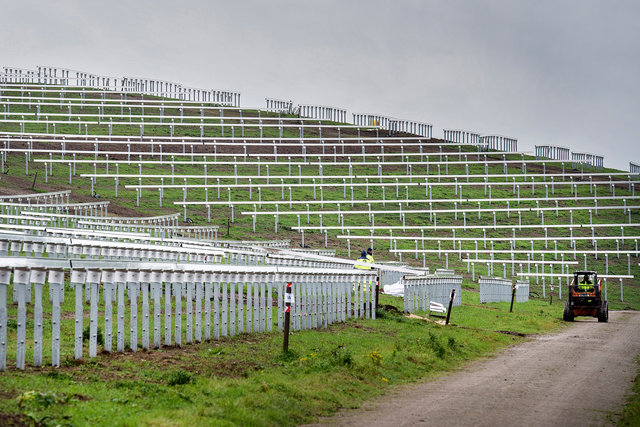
x=322, y=252
x=96, y=209
x=129, y=224
x=196, y=232
x=281, y=243
x=279, y=105
x=67, y=77
x=371, y=120
x=91, y=220
x=433, y=213
x=498, y=289
x=222, y=97
x=419, y=291
x=393, y=125
x=192, y=99
x=340, y=115
x=172, y=125
x=53, y=198
x=634, y=168
x=60, y=247
x=191, y=145
x=552, y=152
x=408, y=126
x=99, y=209
x=323, y=113
x=499, y=143
x=95, y=218
x=214, y=301
x=235, y=252
x=593, y=160
x=18, y=75
x=62, y=76
x=155, y=87
x=461, y=136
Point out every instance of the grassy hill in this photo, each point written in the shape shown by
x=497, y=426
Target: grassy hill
x=247, y=379
x=16, y=180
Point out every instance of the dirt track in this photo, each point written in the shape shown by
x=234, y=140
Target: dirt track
x=572, y=378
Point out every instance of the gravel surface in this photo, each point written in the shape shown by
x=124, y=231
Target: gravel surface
x=572, y=378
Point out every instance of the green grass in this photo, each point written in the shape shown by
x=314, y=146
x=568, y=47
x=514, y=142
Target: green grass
x=241, y=228
x=248, y=380
x=631, y=411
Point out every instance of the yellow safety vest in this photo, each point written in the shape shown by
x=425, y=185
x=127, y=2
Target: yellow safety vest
x=362, y=263
x=362, y=267
x=585, y=286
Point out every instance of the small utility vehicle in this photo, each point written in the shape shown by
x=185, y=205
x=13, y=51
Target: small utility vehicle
x=586, y=298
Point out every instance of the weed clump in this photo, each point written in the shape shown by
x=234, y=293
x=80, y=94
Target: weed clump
x=31, y=402
x=42, y=400
x=179, y=378
x=452, y=343
x=86, y=335
x=389, y=312
x=287, y=356
x=58, y=376
x=375, y=357
x=436, y=345
x=341, y=357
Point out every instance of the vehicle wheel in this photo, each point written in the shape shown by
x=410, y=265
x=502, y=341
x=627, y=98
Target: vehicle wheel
x=603, y=312
x=567, y=315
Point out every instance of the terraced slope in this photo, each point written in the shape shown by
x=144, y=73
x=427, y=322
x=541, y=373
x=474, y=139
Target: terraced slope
x=173, y=144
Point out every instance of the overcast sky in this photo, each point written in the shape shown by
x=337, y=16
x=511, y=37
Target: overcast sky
x=545, y=72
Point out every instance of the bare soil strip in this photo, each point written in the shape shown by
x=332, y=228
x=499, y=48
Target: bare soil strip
x=572, y=378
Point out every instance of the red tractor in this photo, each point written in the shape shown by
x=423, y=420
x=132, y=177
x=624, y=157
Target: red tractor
x=586, y=298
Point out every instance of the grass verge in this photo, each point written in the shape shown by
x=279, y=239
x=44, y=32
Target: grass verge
x=631, y=411
x=248, y=380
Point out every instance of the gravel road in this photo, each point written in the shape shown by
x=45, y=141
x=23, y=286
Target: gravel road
x=572, y=378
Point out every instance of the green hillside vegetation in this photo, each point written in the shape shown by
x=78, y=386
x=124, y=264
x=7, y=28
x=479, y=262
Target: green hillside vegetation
x=241, y=225
x=247, y=379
